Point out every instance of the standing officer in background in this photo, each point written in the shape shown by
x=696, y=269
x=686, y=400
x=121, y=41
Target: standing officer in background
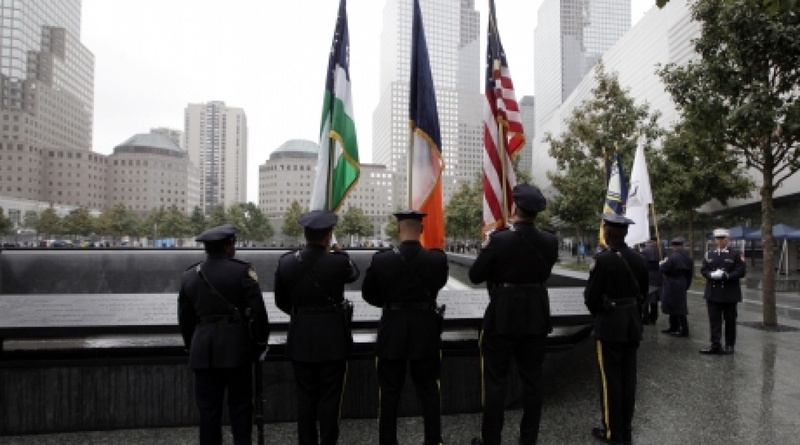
x=309, y=286
x=652, y=257
x=515, y=263
x=405, y=281
x=617, y=286
x=722, y=268
x=678, y=271
x=218, y=298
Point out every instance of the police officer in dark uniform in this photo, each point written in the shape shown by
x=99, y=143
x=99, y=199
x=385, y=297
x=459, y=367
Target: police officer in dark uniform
x=405, y=281
x=618, y=283
x=219, y=302
x=515, y=263
x=309, y=286
x=652, y=256
x=678, y=271
x=722, y=268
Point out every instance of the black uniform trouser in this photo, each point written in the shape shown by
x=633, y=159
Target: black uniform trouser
x=319, y=396
x=650, y=308
x=679, y=323
x=617, y=364
x=425, y=374
x=209, y=387
x=496, y=353
x=716, y=312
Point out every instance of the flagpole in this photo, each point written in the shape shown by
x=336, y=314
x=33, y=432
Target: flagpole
x=501, y=136
x=329, y=185
x=409, y=170
x=655, y=228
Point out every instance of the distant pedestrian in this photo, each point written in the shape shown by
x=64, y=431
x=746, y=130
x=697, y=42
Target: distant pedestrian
x=309, y=286
x=677, y=269
x=617, y=285
x=652, y=255
x=515, y=263
x=405, y=282
x=218, y=298
x=722, y=268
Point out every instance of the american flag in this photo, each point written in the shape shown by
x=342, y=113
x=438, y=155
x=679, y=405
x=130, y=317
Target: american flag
x=503, y=135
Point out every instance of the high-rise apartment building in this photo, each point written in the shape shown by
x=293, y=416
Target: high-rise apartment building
x=527, y=111
x=570, y=37
x=215, y=136
x=173, y=134
x=46, y=94
x=452, y=31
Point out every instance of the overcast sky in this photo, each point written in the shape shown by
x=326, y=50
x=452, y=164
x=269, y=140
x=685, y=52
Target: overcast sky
x=153, y=57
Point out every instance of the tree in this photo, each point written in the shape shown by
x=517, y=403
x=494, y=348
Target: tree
x=119, y=221
x=744, y=90
x=218, y=216
x=773, y=6
x=79, y=222
x=355, y=222
x=155, y=223
x=175, y=223
x=608, y=121
x=391, y=225
x=257, y=224
x=30, y=219
x=291, y=227
x=198, y=221
x=49, y=223
x=689, y=187
x=5, y=223
x=463, y=213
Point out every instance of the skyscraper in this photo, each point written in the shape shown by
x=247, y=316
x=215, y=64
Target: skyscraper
x=215, y=137
x=570, y=37
x=453, y=37
x=46, y=93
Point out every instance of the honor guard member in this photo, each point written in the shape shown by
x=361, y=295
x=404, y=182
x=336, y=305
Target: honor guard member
x=616, y=288
x=309, y=286
x=722, y=269
x=220, y=306
x=678, y=271
x=515, y=263
x=405, y=281
x=652, y=257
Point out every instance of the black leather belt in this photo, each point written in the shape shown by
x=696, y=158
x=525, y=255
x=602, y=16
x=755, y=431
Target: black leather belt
x=312, y=310
x=413, y=305
x=220, y=319
x=520, y=285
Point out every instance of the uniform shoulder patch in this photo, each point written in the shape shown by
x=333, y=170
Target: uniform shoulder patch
x=252, y=273
x=591, y=264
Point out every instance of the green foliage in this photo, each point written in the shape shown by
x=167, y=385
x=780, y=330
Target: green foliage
x=218, y=216
x=464, y=212
x=30, y=219
x=119, y=221
x=257, y=225
x=79, y=222
x=608, y=121
x=291, y=227
x=49, y=223
x=198, y=221
x=391, y=225
x=176, y=224
x=355, y=222
x=5, y=223
x=743, y=92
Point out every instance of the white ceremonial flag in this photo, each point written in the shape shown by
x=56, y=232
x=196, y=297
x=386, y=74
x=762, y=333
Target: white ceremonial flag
x=639, y=198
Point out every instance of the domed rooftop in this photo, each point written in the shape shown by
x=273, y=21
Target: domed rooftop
x=296, y=148
x=149, y=143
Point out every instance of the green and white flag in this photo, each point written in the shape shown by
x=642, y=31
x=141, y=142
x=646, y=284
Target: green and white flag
x=338, y=168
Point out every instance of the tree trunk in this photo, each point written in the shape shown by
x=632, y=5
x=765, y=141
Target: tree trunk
x=768, y=280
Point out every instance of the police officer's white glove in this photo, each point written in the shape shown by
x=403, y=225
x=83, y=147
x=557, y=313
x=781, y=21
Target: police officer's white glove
x=717, y=274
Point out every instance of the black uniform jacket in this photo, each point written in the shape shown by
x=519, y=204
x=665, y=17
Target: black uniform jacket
x=406, y=286
x=615, y=291
x=728, y=289
x=214, y=336
x=652, y=258
x=317, y=332
x=515, y=264
x=677, y=269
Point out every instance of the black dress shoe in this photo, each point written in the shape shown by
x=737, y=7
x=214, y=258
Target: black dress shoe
x=475, y=441
x=600, y=434
x=712, y=350
x=729, y=349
